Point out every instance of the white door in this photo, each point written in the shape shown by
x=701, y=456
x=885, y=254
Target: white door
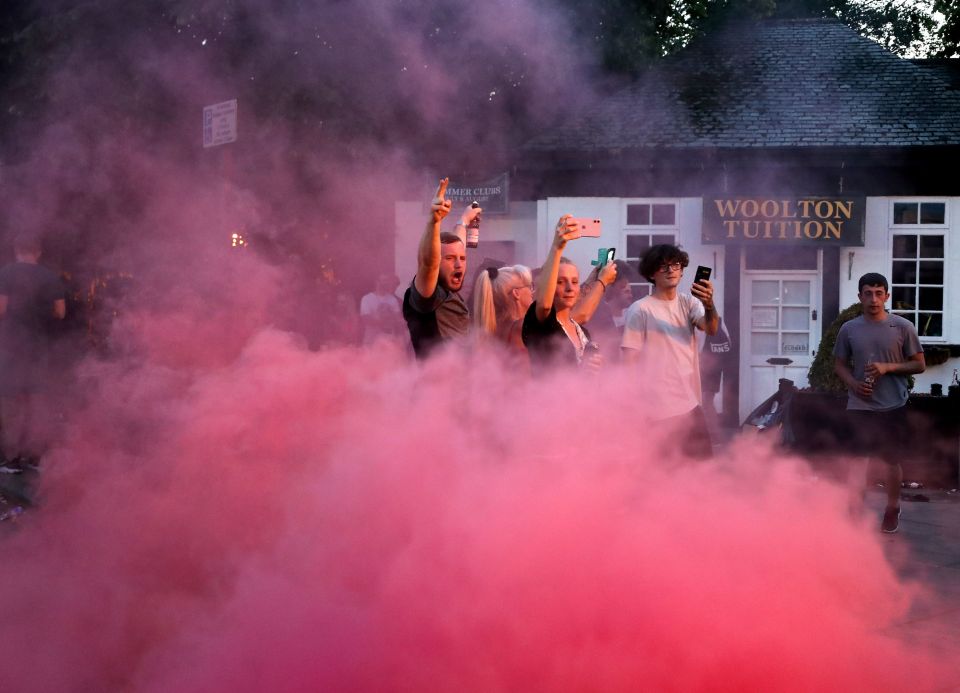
x=780, y=329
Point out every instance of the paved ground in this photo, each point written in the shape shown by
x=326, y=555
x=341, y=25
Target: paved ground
x=927, y=549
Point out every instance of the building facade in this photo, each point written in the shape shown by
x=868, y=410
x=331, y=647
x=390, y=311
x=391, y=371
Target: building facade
x=790, y=156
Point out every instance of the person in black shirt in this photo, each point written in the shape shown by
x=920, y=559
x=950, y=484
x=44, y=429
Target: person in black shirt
x=551, y=331
x=32, y=299
x=432, y=305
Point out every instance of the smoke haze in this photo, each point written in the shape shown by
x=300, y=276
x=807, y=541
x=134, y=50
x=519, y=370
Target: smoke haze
x=226, y=508
x=341, y=520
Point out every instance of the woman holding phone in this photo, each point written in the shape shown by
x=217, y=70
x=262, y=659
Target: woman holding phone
x=550, y=332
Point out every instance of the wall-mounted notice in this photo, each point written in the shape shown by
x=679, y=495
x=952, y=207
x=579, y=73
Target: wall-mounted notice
x=220, y=123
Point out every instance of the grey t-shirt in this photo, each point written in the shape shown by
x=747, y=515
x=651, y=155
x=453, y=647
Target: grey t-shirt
x=891, y=340
x=432, y=320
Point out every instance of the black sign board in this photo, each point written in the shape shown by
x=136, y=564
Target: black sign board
x=810, y=220
x=493, y=195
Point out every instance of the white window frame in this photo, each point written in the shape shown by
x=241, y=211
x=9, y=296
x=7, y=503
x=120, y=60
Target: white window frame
x=917, y=229
x=643, y=287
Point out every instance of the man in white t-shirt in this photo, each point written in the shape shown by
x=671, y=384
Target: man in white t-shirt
x=659, y=340
x=380, y=311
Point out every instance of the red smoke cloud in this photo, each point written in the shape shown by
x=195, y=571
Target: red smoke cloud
x=344, y=520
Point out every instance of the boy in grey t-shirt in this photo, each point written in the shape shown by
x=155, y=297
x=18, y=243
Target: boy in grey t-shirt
x=884, y=349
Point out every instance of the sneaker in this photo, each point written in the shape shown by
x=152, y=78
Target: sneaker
x=891, y=520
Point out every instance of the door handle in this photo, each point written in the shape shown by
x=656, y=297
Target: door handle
x=813, y=314
x=779, y=361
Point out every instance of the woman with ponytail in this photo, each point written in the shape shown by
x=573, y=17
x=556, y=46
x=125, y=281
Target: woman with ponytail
x=500, y=300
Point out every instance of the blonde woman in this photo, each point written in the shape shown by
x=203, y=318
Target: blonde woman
x=501, y=297
x=551, y=330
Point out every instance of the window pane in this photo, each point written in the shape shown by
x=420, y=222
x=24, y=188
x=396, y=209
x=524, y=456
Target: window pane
x=764, y=344
x=905, y=212
x=931, y=273
x=796, y=318
x=933, y=212
x=931, y=246
x=795, y=343
x=931, y=298
x=660, y=238
x=638, y=215
x=904, y=272
x=766, y=292
x=664, y=215
x=904, y=297
x=636, y=245
x=904, y=246
x=930, y=325
x=912, y=317
x=796, y=293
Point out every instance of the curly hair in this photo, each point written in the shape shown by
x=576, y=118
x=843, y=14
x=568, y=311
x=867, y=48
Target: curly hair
x=659, y=255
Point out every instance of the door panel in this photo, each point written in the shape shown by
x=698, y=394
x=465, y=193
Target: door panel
x=779, y=318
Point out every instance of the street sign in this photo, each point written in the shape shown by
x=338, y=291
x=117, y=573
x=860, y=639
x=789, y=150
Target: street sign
x=220, y=123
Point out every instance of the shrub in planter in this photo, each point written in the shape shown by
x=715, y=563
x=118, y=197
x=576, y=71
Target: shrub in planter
x=821, y=376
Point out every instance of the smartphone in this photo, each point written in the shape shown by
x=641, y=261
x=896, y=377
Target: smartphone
x=702, y=273
x=589, y=228
x=604, y=256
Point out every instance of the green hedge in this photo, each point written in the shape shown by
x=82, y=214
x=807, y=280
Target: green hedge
x=821, y=376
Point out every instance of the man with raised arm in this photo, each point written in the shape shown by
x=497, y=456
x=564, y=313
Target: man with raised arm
x=659, y=339
x=873, y=356
x=432, y=305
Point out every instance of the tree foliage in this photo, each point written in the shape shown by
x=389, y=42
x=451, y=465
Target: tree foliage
x=631, y=33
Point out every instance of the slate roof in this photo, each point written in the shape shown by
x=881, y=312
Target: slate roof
x=772, y=84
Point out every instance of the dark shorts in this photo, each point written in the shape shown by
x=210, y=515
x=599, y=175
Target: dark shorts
x=881, y=434
x=694, y=434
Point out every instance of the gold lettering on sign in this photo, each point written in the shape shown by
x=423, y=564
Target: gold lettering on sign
x=810, y=219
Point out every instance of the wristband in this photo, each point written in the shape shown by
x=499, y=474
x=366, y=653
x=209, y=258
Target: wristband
x=600, y=282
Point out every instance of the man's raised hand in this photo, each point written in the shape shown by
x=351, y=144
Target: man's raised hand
x=440, y=207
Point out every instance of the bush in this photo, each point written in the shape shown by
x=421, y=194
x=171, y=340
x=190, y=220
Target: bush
x=821, y=376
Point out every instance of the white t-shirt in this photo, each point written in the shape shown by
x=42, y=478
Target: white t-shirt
x=664, y=334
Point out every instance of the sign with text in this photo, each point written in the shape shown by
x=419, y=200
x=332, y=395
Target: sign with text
x=780, y=221
x=493, y=194
x=220, y=123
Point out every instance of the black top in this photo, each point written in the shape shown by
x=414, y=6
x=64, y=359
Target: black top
x=547, y=343
x=435, y=319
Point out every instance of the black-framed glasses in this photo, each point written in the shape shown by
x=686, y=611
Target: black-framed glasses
x=670, y=267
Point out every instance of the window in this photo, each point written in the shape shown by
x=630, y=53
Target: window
x=652, y=214
x=918, y=257
x=648, y=223
x=919, y=213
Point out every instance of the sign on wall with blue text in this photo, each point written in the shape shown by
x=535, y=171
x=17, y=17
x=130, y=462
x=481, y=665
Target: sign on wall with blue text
x=768, y=220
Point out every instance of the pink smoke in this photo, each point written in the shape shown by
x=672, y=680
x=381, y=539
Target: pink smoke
x=343, y=520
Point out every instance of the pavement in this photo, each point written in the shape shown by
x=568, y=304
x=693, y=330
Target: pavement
x=927, y=549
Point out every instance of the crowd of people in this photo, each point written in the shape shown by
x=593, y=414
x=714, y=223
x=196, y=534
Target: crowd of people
x=543, y=318
x=540, y=319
